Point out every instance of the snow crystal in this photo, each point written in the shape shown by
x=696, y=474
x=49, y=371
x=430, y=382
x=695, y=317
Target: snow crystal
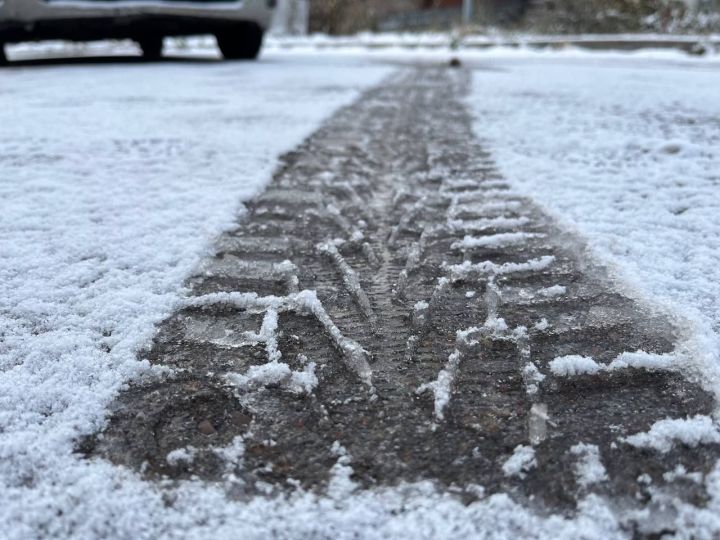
x=341, y=484
x=495, y=325
x=645, y=478
x=466, y=269
x=479, y=225
x=541, y=325
x=664, y=434
x=232, y=454
x=521, y=462
x=350, y=279
x=442, y=386
x=306, y=302
x=681, y=473
x=588, y=467
x=181, y=455
x=567, y=366
x=537, y=423
x=553, y=291
x=272, y=373
x=643, y=360
x=305, y=381
x=493, y=240
x=483, y=208
x=532, y=378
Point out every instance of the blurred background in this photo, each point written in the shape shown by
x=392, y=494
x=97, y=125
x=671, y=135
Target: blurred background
x=342, y=17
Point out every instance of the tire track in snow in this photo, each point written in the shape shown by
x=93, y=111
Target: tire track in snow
x=430, y=275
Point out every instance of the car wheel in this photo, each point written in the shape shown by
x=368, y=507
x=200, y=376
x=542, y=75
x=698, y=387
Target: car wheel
x=151, y=46
x=3, y=58
x=241, y=42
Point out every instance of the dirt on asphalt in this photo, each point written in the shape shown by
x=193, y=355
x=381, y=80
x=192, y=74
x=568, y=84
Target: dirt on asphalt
x=442, y=298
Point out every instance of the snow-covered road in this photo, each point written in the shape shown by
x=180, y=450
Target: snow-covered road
x=627, y=152
x=114, y=179
x=113, y=182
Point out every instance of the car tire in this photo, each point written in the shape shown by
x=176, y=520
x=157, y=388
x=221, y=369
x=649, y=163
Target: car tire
x=241, y=42
x=151, y=47
x=3, y=58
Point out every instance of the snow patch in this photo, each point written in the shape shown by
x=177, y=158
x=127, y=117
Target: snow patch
x=493, y=240
x=572, y=365
x=665, y=434
x=521, y=462
x=467, y=269
x=181, y=455
x=589, y=469
x=569, y=366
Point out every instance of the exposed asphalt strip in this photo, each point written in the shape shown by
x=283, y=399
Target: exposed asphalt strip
x=389, y=304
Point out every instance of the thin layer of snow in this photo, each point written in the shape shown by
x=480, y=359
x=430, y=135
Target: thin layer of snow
x=384, y=47
x=521, y=462
x=56, y=376
x=497, y=38
x=114, y=180
x=626, y=153
x=664, y=434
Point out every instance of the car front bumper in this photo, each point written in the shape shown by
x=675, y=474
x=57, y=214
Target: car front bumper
x=35, y=11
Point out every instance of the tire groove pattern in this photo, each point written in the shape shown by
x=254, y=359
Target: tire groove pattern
x=372, y=212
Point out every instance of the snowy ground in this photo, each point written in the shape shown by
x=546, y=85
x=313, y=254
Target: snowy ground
x=114, y=179
x=627, y=153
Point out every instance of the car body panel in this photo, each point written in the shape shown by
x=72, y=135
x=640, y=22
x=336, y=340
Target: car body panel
x=22, y=20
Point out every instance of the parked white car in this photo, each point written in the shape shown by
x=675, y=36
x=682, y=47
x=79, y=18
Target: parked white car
x=238, y=25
